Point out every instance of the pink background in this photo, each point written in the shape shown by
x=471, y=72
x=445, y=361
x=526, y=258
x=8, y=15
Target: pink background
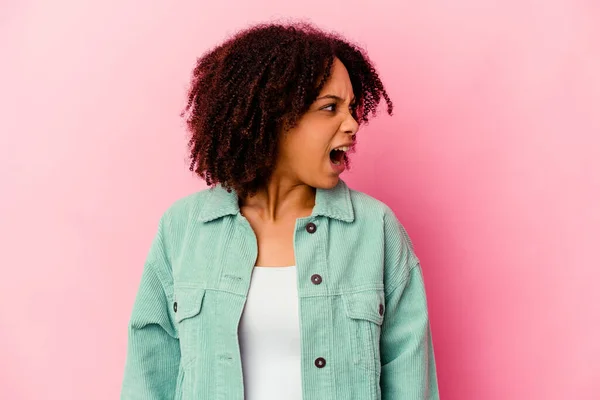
x=491, y=162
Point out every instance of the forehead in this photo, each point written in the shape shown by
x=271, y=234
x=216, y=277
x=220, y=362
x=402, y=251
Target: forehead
x=339, y=81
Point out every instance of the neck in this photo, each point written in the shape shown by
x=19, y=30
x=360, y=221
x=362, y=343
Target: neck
x=281, y=199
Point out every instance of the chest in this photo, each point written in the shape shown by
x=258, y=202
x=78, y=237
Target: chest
x=275, y=244
x=221, y=255
x=275, y=241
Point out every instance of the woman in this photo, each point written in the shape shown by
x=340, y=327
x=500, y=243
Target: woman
x=279, y=281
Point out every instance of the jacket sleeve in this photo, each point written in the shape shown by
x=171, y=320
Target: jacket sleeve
x=153, y=353
x=408, y=370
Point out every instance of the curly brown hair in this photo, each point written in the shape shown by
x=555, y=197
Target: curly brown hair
x=259, y=83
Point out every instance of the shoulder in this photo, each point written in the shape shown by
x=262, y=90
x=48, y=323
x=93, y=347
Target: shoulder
x=397, y=243
x=178, y=217
x=369, y=207
x=186, y=207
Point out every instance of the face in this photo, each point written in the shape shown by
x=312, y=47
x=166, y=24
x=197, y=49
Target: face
x=306, y=152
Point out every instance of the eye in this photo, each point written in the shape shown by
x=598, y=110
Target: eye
x=332, y=105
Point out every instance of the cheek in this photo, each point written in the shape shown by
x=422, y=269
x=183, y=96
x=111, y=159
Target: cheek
x=314, y=148
x=306, y=152
x=308, y=143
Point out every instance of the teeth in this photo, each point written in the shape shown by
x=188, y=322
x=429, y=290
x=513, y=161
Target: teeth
x=342, y=148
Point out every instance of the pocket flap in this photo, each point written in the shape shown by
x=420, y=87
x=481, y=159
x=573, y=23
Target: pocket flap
x=368, y=305
x=187, y=301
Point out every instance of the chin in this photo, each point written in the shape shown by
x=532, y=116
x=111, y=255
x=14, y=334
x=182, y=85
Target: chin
x=327, y=183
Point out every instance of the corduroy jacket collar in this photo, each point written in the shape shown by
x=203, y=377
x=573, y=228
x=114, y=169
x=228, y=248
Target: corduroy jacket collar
x=333, y=203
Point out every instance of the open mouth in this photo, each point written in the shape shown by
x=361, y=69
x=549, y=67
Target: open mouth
x=338, y=156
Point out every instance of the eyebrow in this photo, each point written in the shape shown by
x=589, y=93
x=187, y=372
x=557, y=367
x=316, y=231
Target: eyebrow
x=337, y=98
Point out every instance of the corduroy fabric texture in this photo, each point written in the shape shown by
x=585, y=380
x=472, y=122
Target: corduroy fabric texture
x=365, y=331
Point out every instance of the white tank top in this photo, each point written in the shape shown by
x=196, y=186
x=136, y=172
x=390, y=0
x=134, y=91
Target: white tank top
x=269, y=336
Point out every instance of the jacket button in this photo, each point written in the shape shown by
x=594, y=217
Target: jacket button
x=311, y=227
x=175, y=306
x=320, y=362
x=316, y=279
x=381, y=309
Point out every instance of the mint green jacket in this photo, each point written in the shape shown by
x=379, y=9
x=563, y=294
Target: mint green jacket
x=365, y=332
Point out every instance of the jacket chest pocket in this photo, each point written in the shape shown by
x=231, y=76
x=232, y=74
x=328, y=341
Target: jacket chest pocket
x=365, y=311
x=187, y=306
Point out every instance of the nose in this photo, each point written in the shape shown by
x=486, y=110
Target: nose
x=349, y=126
